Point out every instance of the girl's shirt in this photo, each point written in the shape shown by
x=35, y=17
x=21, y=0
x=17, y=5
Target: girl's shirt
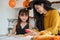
x=20, y=30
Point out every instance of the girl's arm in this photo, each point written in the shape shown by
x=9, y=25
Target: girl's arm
x=14, y=29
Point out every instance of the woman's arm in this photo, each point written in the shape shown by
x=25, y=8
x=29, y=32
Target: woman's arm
x=54, y=23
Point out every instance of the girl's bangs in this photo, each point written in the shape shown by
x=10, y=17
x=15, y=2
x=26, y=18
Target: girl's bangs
x=24, y=13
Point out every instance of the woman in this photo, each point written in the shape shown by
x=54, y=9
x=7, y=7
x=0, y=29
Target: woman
x=51, y=17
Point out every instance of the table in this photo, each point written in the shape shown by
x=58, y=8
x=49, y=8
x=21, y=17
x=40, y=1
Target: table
x=15, y=38
x=38, y=37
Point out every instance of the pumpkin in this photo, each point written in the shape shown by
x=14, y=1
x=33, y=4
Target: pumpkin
x=56, y=38
x=12, y=3
x=26, y=3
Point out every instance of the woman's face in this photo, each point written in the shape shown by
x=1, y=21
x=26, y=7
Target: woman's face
x=39, y=8
x=23, y=17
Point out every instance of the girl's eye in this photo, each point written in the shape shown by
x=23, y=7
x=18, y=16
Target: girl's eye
x=21, y=15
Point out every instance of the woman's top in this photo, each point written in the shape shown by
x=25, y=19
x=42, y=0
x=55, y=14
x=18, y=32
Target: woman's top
x=51, y=21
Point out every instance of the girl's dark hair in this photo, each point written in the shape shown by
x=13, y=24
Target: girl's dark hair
x=22, y=12
x=39, y=17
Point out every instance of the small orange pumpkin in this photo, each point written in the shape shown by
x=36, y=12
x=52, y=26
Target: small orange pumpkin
x=26, y=3
x=28, y=0
x=12, y=3
x=56, y=38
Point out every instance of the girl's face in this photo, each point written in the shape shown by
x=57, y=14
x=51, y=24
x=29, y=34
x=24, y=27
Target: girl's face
x=23, y=17
x=39, y=8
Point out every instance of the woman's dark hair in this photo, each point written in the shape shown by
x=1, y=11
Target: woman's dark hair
x=22, y=12
x=39, y=17
x=39, y=20
x=47, y=4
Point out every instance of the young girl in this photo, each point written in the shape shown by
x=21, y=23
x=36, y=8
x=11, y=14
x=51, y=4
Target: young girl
x=22, y=23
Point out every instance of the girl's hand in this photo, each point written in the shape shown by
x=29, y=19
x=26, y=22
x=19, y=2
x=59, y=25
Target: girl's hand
x=11, y=35
x=27, y=30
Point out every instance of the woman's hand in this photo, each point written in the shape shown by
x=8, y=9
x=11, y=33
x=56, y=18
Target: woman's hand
x=45, y=33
